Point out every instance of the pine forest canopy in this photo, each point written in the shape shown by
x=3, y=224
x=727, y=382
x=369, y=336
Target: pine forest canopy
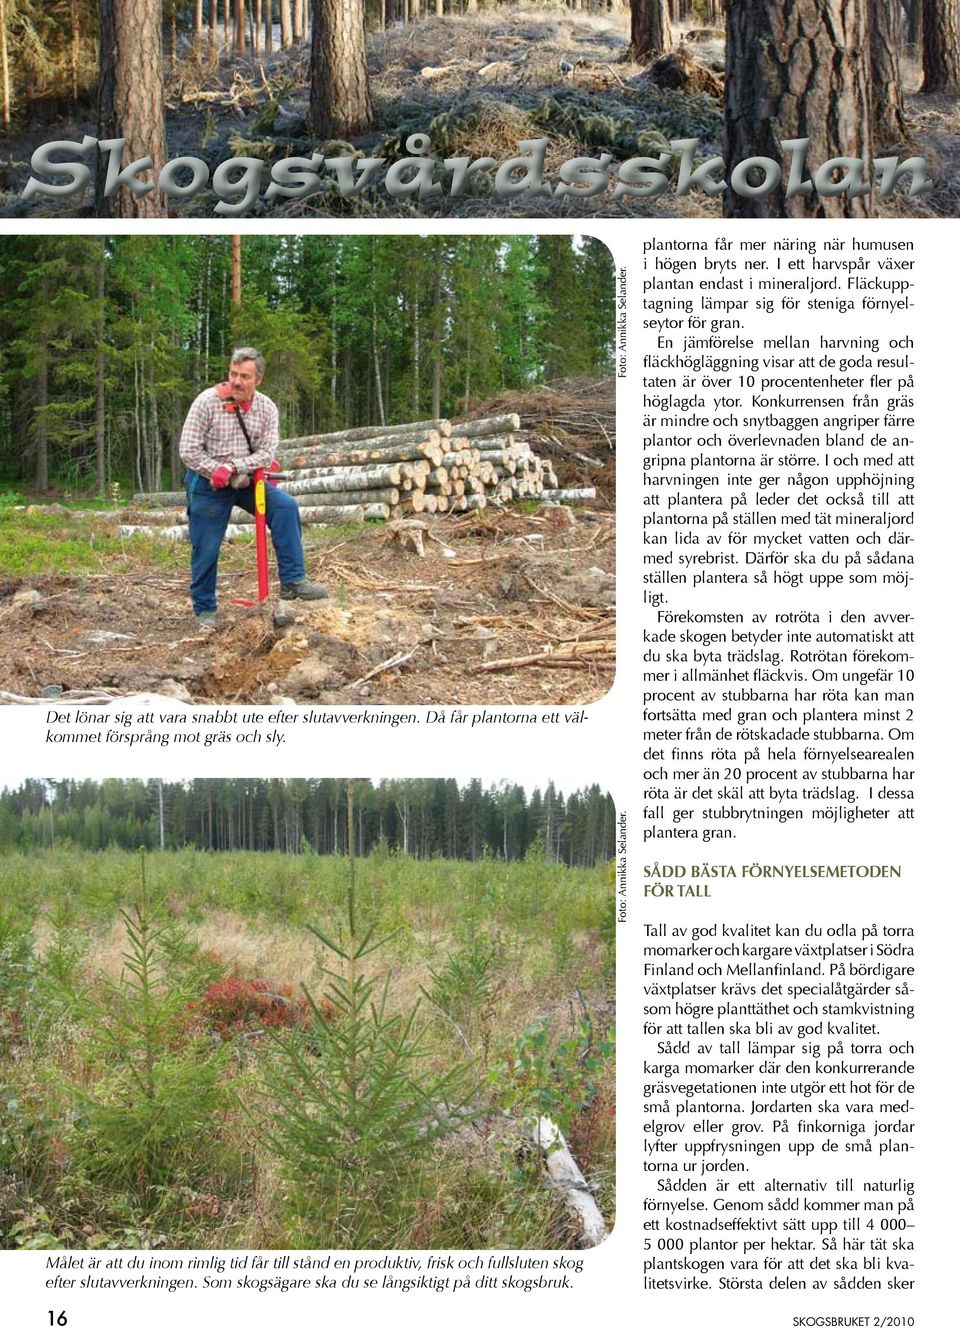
x=107, y=341
x=422, y=818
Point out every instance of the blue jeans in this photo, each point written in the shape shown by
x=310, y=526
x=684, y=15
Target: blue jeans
x=208, y=515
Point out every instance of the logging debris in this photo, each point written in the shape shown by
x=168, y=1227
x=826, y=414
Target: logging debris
x=400, y=471
x=397, y=630
x=399, y=627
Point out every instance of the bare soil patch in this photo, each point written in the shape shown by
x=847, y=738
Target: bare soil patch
x=533, y=584
x=517, y=585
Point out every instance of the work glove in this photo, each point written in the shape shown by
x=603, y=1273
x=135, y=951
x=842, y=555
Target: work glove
x=222, y=475
x=273, y=467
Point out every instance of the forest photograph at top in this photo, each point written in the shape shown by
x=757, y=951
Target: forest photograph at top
x=561, y=108
x=429, y=422
x=307, y=1014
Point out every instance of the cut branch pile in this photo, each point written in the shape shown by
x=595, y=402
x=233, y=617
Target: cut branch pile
x=391, y=472
x=571, y=422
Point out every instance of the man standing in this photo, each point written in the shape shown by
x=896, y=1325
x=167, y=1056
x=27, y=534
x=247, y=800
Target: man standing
x=231, y=431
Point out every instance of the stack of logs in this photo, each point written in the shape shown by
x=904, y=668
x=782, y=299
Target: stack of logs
x=431, y=466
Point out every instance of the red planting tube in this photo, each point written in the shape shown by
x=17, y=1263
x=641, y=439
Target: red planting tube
x=260, y=528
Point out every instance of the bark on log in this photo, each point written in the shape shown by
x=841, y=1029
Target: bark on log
x=331, y=513
x=170, y=498
x=431, y=452
x=365, y=433
x=489, y=442
x=154, y=516
x=414, y=467
x=570, y=496
x=390, y=496
x=416, y=446
x=345, y=477
x=501, y=455
x=566, y=1177
x=330, y=516
x=328, y=513
x=178, y=533
x=491, y=424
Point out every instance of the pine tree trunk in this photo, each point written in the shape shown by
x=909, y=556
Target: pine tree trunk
x=236, y=269
x=339, y=90
x=138, y=452
x=798, y=70
x=915, y=23
x=886, y=32
x=334, y=334
x=240, y=27
x=156, y=445
x=100, y=432
x=437, y=338
x=173, y=452
x=4, y=66
x=41, y=479
x=74, y=50
x=131, y=98
x=416, y=354
x=198, y=19
x=941, y=47
x=286, y=28
x=649, y=29
x=377, y=379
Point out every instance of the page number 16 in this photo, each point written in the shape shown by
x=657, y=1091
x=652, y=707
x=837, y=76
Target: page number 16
x=57, y=1317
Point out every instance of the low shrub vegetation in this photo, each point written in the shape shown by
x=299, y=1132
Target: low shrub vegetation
x=238, y=1049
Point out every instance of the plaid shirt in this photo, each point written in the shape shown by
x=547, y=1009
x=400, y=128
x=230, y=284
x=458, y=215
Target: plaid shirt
x=212, y=436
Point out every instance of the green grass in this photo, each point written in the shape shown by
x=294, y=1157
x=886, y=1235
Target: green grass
x=470, y=960
x=396, y=890
x=33, y=545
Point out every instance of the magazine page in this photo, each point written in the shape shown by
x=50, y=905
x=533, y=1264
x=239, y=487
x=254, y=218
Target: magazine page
x=476, y=545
